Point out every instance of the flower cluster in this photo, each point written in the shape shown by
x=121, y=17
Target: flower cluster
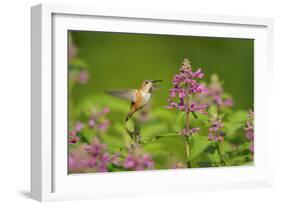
x=214, y=94
x=82, y=76
x=249, y=129
x=215, y=130
x=215, y=91
x=185, y=85
x=189, y=132
x=96, y=158
x=78, y=126
x=78, y=73
x=73, y=137
x=137, y=160
x=99, y=121
x=73, y=134
x=116, y=159
x=72, y=50
x=92, y=157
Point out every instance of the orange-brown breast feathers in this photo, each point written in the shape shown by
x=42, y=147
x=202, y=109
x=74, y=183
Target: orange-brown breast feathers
x=135, y=106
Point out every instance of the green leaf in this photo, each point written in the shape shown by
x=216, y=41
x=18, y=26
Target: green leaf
x=166, y=151
x=87, y=132
x=180, y=121
x=150, y=130
x=213, y=111
x=235, y=122
x=202, y=117
x=78, y=63
x=214, y=158
x=200, y=143
x=204, y=164
x=240, y=116
x=239, y=160
x=226, y=146
x=85, y=139
x=226, y=96
x=163, y=114
x=167, y=134
x=211, y=149
x=231, y=128
x=114, y=143
x=115, y=168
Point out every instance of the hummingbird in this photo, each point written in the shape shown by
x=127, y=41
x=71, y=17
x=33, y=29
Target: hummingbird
x=138, y=97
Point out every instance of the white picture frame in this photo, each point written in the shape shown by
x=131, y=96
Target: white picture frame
x=49, y=178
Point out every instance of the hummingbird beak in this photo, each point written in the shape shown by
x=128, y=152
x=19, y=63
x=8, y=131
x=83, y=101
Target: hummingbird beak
x=153, y=81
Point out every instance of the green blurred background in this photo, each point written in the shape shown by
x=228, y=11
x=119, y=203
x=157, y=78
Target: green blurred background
x=122, y=60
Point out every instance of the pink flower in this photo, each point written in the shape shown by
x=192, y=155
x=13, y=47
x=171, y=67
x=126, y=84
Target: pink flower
x=213, y=94
x=198, y=73
x=185, y=85
x=182, y=93
x=105, y=110
x=83, y=77
x=91, y=123
x=179, y=165
x=94, y=157
x=76, y=161
x=115, y=159
x=215, y=130
x=252, y=149
x=199, y=108
x=147, y=162
x=190, y=132
x=104, y=125
x=72, y=50
x=228, y=102
x=73, y=140
x=137, y=160
x=72, y=133
x=78, y=126
x=172, y=105
x=129, y=161
x=249, y=130
x=71, y=162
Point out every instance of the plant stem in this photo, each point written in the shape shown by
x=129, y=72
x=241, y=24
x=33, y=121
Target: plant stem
x=187, y=137
x=187, y=116
x=188, y=165
x=218, y=146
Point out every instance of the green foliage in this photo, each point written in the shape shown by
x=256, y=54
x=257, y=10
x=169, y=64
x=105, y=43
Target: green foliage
x=166, y=151
x=160, y=135
x=198, y=146
x=180, y=121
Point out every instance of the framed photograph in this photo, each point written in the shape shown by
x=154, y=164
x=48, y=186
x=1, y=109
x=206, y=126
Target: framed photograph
x=137, y=102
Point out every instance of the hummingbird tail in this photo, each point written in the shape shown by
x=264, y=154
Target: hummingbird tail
x=129, y=116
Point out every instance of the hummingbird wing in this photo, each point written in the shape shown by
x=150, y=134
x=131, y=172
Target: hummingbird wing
x=127, y=94
x=155, y=88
